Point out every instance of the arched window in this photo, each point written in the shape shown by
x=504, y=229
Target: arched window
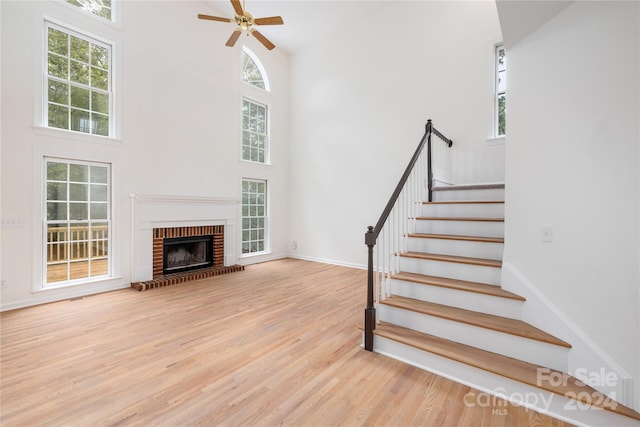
x=253, y=71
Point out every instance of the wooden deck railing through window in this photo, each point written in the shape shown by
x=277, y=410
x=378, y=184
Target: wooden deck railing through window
x=77, y=242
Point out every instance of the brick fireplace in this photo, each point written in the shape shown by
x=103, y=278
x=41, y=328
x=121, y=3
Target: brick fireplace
x=160, y=218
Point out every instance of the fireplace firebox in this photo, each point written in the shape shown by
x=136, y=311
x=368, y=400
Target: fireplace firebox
x=187, y=253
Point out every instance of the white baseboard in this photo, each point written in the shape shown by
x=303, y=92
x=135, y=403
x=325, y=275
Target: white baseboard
x=586, y=358
x=60, y=294
x=329, y=261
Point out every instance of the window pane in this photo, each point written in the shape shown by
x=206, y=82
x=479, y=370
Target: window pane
x=99, y=193
x=58, y=66
x=58, y=92
x=79, y=97
x=99, y=78
x=99, y=174
x=57, y=41
x=100, y=102
x=58, y=116
x=79, y=49
x=78, y=173
x=78, y=211
x=56, y=211
x=79, y=72
x=101, y=123
x=57, y=191
x=98, y=211
x=78, y=192
x=99, y=57
x=101, y=8
x=80, y=121
x=56, y=171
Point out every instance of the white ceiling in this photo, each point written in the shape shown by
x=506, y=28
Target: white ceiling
x=305, y=21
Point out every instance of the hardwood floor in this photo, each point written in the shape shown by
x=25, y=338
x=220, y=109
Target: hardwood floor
x=276, y=344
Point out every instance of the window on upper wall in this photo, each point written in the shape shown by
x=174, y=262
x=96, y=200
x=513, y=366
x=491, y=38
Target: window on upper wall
x=101, y=8
x=78, y=82
x=500, y=116
x=77, y=221
x=254, y=131
x=253, y=71
x=254, y=216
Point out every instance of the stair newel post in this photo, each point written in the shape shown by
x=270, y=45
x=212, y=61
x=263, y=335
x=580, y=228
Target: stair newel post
x=428, y=128
x=369, y=311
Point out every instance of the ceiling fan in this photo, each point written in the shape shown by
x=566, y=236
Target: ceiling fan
x=246, y=22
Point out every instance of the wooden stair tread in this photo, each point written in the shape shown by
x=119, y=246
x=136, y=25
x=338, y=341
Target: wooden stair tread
x=475, y=318
x=457, y=218
x=493, y=186
x=453, y=258
x=508, y=367
x=457, y=237
x=463, y=202
x=461, y=285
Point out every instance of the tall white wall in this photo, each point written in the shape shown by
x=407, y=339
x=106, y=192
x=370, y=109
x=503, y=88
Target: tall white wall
x=178, y=98
x=572, y=163
x=360, y=100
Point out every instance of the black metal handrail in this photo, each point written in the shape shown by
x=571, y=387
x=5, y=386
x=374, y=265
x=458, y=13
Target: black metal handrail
x=371, y=236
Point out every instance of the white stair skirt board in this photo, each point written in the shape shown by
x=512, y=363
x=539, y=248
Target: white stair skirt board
x=483, y=210
x=466, y=248
x=489, y=304
x=453, y=270
x=525, y=349
x=487, y=384
x=461, y=228
x=475, y=194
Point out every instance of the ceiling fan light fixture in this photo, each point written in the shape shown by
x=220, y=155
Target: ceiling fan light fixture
x=245, y=22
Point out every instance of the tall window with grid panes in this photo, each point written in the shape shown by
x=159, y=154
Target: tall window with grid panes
x=255, y=149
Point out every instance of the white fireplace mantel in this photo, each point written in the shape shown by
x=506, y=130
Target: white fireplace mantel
x=149, y=211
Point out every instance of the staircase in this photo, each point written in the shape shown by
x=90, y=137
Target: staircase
x=439, y=306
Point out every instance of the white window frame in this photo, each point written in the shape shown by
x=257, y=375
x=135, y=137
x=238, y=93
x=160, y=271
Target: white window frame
x=266, y=135
x=110, y=46
x=497, y=90
x=265, y=78
x=45, y=224
x=248, y=215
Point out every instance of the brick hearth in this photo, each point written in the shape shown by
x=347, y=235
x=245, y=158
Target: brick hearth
x=218, y=268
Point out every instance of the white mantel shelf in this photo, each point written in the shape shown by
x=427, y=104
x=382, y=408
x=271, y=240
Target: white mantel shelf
x=163, y=198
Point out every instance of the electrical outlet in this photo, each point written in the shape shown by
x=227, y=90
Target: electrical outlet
x=294, y=245
x=547, y=234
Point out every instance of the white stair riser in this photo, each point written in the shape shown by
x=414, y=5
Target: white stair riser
x=461, y=228
x=487, y=194
x=525, y=349
x=453, y=270
x=486, y=250
x=485, y=385
x=479, y=210
x=474, y=301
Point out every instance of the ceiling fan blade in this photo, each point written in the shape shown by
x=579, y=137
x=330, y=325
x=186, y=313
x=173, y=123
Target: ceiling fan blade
x=237, y=7
x=214, y=18
x=271, y=20
x=262, y=39
x=234, y=38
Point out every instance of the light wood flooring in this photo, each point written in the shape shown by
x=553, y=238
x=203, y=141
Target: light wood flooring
x=276, y=344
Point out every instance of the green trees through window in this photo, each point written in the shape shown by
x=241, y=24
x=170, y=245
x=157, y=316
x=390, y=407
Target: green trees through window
x=78, y=82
